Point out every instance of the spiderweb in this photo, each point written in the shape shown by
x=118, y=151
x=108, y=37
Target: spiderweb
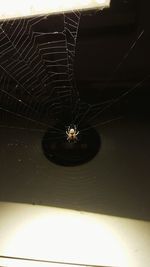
x=37, y=81
x=95, y=113
x=38, y=91
x=36, y=70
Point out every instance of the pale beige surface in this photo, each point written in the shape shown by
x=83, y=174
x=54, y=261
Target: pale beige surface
x=17, y=8
x=46, y=233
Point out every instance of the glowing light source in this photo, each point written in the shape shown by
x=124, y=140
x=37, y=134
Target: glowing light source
x=36, y=236
x=57, y=235
x=16, y=8
x=9, y=262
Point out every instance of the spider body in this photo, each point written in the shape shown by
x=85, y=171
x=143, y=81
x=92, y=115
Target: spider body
x=72, y=134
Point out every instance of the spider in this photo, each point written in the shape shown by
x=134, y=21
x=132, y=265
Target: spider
x=72, y=133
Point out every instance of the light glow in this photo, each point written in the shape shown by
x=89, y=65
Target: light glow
x=6, y=262
x=58, y=235
x=70, y=237
x=16, y=8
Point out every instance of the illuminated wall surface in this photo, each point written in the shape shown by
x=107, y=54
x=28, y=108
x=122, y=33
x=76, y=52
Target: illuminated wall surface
x=17, y=8
x=50, y=234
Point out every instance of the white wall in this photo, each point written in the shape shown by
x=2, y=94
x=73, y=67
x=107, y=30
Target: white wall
x=45, y=233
